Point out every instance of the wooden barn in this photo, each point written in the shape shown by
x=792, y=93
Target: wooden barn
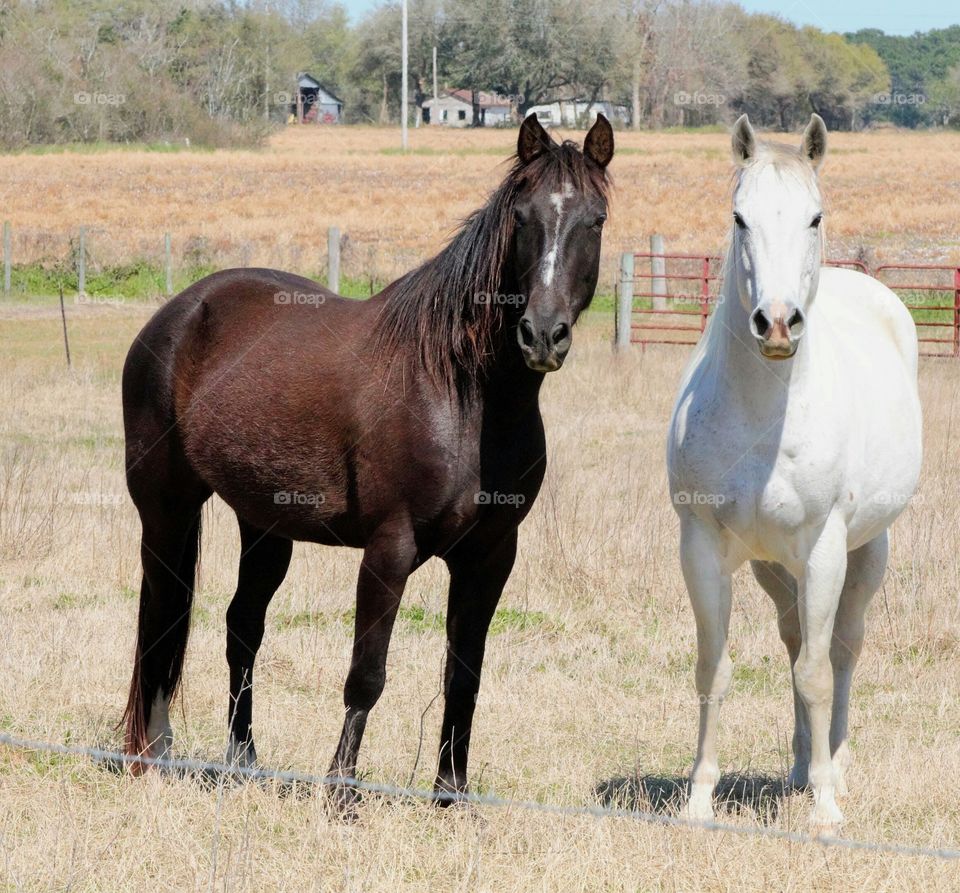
x=314, y=103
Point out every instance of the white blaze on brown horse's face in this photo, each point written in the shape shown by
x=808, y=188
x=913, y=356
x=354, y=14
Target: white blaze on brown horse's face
x=557, y=230
x=777, y=213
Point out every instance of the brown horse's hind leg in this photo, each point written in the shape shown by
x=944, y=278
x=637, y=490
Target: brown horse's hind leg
x=387, y=562
x=264, y=561
x=476, y=583
x=169, y=551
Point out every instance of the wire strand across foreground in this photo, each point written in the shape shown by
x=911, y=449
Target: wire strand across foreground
x=225, y=770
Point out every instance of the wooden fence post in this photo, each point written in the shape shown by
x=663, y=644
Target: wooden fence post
x=658, y=272
x=82, y=263
x=624, y=309
x=333, y=259
x=168, y=263
x=7, y=257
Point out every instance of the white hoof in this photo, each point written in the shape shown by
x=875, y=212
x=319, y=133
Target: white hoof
x=699, y=808
x=826, y=817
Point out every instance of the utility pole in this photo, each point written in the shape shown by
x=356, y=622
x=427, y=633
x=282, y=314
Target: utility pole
x=403, y=80
x=266, y=85
x=436, y=95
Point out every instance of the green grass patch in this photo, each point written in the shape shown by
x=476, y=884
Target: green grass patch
x=314, y=619
x=416, y=619
x=457, y=153
x=65, y=601
x=512, y=618
x=97, y=148
x=140, y=280
x=419, y=620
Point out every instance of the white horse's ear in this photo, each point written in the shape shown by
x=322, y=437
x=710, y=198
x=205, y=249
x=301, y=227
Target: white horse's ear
x=814, y=145
x=744, y=142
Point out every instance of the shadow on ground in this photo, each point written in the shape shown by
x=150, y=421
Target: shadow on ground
x=756, y=796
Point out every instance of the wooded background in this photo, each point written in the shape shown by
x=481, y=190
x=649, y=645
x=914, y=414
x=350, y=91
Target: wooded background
x=222, y=73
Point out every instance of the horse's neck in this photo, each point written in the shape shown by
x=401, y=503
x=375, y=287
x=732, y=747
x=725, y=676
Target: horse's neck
x=510, y=386
x=761, y=385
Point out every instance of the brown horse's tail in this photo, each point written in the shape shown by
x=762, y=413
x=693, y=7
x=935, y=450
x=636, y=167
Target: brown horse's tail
x=163, y=627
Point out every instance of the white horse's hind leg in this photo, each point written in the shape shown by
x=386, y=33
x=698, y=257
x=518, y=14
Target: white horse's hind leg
x=781, y=586
x=709, y=589
x=865, y=568
x=819, y=596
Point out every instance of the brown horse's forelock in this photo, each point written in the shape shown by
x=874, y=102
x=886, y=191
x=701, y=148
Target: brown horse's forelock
x=444, y=309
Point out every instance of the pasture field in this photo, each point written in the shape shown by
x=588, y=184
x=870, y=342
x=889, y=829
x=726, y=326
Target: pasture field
x=890, y=196
x=588, y=680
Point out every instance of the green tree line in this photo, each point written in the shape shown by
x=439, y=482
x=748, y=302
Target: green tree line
x=221, y=72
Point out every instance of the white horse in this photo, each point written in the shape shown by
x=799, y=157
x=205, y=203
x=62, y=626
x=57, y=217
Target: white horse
x=795, y=442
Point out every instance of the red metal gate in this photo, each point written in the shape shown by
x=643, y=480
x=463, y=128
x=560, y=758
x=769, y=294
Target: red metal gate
x=670, y=305
x=938, y=316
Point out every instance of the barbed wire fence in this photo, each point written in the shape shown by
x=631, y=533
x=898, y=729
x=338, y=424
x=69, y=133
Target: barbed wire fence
x=221, y=772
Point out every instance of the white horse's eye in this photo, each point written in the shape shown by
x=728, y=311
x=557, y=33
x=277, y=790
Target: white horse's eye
x=815, y=223
x=738, y=220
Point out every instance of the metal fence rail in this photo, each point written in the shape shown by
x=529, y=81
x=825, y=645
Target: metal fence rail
x=948, y=286
x=666, y=298
x=224, y=772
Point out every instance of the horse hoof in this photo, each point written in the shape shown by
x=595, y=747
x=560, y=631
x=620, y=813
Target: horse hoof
x=826, y=820
x=241, y=754
x=445, y=797
x=342, y=802
x=697, y=811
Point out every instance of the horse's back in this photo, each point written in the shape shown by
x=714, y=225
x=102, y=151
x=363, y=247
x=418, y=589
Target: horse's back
x=862, y=305
x=873, y=341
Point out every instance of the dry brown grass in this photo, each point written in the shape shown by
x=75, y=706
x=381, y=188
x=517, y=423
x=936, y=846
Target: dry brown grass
x=891, y=194
x=597, y=684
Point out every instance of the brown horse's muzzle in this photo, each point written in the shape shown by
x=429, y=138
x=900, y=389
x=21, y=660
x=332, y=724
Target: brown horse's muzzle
x=544, y=346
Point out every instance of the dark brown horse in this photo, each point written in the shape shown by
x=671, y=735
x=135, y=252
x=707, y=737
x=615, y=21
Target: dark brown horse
x=406, y=425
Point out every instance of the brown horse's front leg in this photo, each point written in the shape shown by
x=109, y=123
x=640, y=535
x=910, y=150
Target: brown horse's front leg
x=476, y=584
x=388, y=560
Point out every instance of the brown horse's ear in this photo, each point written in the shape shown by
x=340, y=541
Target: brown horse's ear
x=598, y=146
x=533, y=139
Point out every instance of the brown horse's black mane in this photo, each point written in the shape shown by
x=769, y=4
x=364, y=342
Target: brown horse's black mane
x=443, y=308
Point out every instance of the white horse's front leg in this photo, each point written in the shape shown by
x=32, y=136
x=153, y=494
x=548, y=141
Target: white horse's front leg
x=819, y=596
x=709, y=589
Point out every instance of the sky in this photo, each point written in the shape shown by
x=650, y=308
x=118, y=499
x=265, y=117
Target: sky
x=828, y=15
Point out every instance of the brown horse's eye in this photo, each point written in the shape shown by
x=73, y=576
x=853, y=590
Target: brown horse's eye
x=600, y=221
x=518, y=219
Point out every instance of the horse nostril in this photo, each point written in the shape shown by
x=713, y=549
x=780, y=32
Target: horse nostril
x=795, y=323
x=526, y=332
x=761, y=325
x=561, y=332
